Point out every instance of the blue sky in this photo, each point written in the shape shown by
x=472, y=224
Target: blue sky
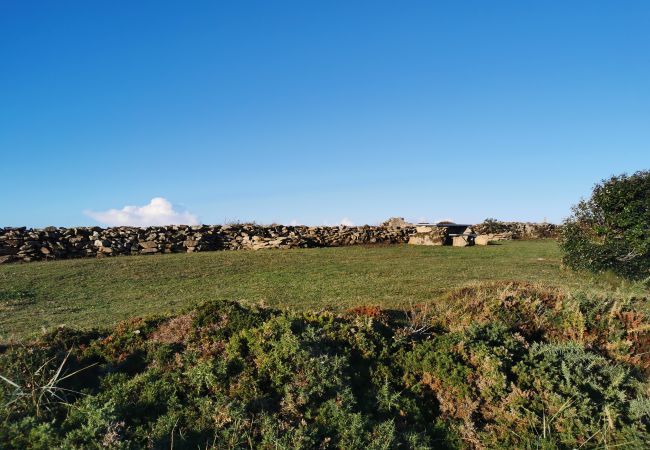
x=312, y=112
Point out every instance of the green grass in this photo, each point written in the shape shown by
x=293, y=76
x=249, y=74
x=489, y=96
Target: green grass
x=87, y=293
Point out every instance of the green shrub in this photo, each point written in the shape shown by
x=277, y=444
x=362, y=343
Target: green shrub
x=618, y=327
x=228, y=376
x=572, y=393
x=611, y=230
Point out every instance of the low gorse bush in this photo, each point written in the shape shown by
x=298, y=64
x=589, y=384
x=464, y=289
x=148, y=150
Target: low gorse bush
x=536, y=368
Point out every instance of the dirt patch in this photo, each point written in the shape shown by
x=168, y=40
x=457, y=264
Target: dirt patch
x=372, y=311
x=174, y=331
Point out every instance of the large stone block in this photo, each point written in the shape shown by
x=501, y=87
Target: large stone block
x=460, y=241
x=426, y=239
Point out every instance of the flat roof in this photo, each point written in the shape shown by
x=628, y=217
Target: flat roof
x=444, y=224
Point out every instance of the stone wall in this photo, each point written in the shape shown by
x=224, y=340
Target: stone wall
x=520, y=230
x=27, y=244
x=24, y=244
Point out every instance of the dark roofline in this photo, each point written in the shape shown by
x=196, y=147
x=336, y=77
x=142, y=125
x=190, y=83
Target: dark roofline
x=444, y=225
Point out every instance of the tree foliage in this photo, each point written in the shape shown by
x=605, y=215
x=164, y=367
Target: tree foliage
x=611, y=230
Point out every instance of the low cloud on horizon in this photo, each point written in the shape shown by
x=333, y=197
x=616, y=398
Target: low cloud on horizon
x=159, y=211
x=343, y=222
x=346, y=222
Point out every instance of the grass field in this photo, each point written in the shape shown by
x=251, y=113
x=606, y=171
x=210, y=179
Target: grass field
x=98, y=293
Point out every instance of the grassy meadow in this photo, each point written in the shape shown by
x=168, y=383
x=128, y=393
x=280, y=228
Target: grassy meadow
x=98, y=293
x=492, y=347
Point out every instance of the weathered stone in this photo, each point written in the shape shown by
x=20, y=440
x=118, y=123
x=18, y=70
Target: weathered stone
x=26, y=244
x=396, y=222
x=8, y=250
x=460, y=241
x=7, y=259
x=425, y=239
x=520, y=230
x=428, y=235
x=424, y=228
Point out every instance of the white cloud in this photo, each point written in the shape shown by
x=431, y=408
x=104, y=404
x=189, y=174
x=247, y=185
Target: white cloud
x=159, y=211
x=346, y=222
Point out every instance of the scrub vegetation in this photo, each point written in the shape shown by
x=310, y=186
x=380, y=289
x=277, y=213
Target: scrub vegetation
x=496, y=365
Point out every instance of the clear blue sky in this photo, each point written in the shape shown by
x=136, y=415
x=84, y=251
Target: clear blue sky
x=318, y=111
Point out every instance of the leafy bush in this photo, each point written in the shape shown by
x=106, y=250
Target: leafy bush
x=611, y=230
x=227, y=376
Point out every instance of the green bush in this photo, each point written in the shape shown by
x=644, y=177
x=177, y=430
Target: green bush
x=611, y=230
x=227, y=376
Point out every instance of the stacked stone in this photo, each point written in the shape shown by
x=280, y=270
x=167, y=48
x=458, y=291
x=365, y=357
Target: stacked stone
x=257, y=237
x=26, y=244
x=23, y=244
x=429, y=235
x=520, y=230
x=397, y=222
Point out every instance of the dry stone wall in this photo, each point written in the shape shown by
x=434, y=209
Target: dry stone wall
x=30, y=244
x=520, y=230
x=25, y=244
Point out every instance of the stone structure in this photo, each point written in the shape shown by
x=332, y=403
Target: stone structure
x=519, y=230
x=26, y=244
x=23, y=244
x=485, y=239
x=397, y=222
x=428, y=235
x=443, y=233
x=461, y=241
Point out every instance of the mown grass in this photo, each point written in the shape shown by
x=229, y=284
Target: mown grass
x=98, y=293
